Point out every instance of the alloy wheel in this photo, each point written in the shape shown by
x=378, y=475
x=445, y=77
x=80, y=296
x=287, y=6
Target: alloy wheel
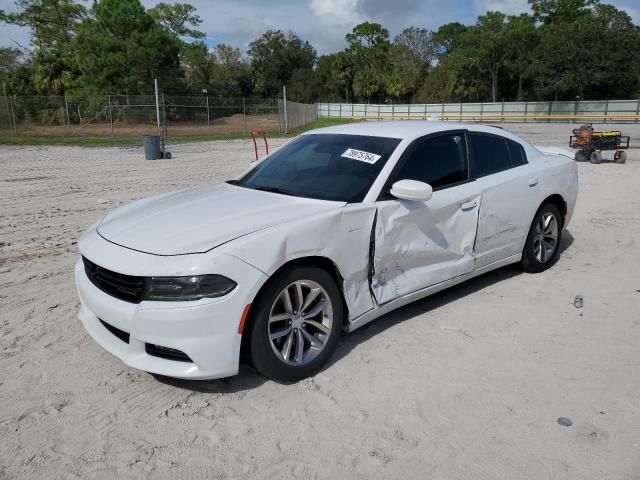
x=545, y=237
x=300, y=322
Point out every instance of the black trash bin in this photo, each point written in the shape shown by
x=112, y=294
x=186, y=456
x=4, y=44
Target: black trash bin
x=152, y=147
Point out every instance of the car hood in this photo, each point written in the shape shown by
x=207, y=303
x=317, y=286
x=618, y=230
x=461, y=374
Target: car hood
x=199, y=219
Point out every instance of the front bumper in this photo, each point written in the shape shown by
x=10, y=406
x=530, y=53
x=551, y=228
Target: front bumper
x=205, y=330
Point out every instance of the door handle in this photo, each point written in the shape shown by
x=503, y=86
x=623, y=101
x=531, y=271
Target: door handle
x=533, y=182
x=466, y=206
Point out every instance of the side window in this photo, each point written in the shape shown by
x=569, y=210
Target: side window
x=518, y=155
x=490, y=155
x=438, y=161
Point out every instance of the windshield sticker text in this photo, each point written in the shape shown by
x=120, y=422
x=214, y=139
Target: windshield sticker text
x=367, y=157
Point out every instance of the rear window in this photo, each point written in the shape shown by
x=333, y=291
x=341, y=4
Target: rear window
x=518, y=155
x=324, y=166
x=490, y=155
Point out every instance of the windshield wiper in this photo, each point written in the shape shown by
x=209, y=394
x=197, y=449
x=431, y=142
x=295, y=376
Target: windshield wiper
x=276, y=190
x=264, y=188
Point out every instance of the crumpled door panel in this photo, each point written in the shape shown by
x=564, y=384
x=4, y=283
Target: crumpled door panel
x=509, y=203
x=420, y=244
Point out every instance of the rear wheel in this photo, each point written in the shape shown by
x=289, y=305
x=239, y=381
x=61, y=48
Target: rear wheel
x=543, y=241
x=297, y=323
x=620, y=156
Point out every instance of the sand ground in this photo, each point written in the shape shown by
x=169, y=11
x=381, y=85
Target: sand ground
x=467, y=384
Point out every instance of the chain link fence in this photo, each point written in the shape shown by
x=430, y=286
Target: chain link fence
x=135, y=115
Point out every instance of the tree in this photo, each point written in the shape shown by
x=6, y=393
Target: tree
x=440, y=85
x=453, y=79
x=230, y=71
x=367, y=49
x=303, y=86
x=420, y=42
x=121, y=48
x=274, y=58
x=10, y=59
x=524, y=37
x=195, y=63
x=179, y=19
x=447, y=38
x=405, y=69
x=335, y=74
x=53, y=24
x=587, y=56
x=409, y=58
x=488, y=45
x=548, y=11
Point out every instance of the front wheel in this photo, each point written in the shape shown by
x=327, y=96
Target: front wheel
x=543, y=241
x=297, y=323
x=581, y=156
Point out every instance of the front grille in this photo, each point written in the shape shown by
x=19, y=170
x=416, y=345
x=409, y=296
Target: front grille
x=121, y=334
x=166, y=353
x=124, y=287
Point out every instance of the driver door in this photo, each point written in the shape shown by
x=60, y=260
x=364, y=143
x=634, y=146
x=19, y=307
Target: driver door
x=419, y=244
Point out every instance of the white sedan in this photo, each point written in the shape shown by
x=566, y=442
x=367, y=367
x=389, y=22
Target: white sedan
x=336, y=228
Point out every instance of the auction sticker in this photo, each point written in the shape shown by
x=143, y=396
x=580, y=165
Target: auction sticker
x=367, y=157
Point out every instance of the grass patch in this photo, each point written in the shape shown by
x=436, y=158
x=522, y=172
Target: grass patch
x=320, y=123
x=137, y=141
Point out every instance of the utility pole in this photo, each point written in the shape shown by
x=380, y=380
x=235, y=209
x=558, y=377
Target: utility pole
x=204, y=91
x=66, y=107
x=155, y=82
x=110, y=116
x=6, y=101
x=244, y=114
x=284, y=103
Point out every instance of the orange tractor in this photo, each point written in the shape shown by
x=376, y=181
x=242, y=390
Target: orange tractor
x=590, y=144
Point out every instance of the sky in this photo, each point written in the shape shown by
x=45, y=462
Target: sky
x=324, y=23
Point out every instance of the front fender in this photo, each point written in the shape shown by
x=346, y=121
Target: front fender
x=341, y=235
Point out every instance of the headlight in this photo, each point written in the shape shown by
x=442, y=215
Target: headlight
x=178, y=289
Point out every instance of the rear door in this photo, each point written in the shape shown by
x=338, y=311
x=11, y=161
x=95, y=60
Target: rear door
x=511, y=190
x=419, y=244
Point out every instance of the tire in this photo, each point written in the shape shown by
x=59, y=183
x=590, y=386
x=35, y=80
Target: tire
x=595, y=157
x=284, y=344
x=620, y=156
x=167, y=155
x=537, y=255
x=581, y=156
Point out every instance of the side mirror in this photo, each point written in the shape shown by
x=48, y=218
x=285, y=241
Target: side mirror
x=412, y=190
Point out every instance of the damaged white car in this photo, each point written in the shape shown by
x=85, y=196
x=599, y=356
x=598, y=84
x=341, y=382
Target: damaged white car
x=334, y=229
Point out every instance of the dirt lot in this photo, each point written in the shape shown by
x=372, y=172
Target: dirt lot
x=228, y=124
x=468, y=384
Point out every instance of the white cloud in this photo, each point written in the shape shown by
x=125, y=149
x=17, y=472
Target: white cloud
x=324, y=23
x=510, y=7
x=336, y=8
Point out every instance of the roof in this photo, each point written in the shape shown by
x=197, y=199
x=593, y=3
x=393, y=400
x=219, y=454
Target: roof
x=405, y=129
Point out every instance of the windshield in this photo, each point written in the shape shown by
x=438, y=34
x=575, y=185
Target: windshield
x=324, y=166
